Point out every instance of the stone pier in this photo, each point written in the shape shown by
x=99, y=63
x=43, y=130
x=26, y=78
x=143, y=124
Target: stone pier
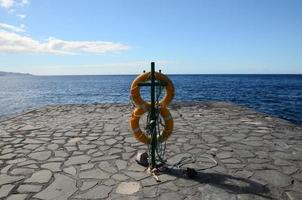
x=87, y=152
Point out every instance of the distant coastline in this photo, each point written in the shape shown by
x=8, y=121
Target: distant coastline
x=14, y=74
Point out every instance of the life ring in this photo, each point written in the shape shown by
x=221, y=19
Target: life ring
x=143, y=137
x=135, y=90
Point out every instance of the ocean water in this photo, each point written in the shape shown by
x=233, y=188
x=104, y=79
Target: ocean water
x=277, y=95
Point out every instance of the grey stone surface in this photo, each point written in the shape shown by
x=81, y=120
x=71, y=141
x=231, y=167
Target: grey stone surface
x=17, y=197
x=22, y=171
x=5, y=190
x=42, y=176
x=88, y=184
x=5, y=179
x=98, y=192
x=95, y=174
x=128, y=187
x=70, y=170
x=273, y=177
x=171, y=195
x=294, y=195
x=75, y=160
x=62, y=188
x=29, y=188
x=43, y=155
x=88, y=152
x=52, y=166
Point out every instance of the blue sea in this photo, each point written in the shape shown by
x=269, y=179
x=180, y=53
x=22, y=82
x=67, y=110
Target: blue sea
x=277, y=95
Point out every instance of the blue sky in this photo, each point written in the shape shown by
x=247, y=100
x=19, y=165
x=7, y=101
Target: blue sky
x=123, y=37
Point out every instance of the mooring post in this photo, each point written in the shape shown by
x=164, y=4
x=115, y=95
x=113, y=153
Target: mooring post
x=153, y=117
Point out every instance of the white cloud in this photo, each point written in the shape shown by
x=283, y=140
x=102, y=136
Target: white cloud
x=15, y=43
x=21, y=16
x=9, y=27
x=7, y=3
x=11, y=3
x=24, y=2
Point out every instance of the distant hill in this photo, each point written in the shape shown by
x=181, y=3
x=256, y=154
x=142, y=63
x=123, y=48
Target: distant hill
x=14, y=74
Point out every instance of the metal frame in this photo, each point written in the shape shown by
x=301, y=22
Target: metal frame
x=153, y=115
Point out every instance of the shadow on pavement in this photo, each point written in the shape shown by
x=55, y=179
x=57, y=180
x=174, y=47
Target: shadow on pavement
x=231, y=184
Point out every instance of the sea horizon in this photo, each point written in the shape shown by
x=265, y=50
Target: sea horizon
x=279, y=95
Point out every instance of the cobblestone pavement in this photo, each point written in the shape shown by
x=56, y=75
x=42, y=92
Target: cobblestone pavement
x=87, y=152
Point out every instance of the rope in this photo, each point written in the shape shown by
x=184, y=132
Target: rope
x=161, y=147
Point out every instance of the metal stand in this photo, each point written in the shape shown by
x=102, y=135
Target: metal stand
x=153, y=115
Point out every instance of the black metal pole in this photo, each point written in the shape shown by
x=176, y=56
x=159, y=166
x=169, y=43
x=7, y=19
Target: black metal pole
x=153, y=117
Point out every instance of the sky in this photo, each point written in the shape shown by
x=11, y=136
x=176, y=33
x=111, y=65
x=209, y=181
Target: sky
x=68, y=37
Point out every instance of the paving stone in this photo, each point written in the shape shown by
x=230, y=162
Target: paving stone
x=5, y=190
x=99, y=153
x=17, y=160
x=128, y=188
x=150, y=181
x=88, y=184
x=32, y=141
x=212, y=192
x=150, y=192
x=61, y=154
x=280, y=162
x=7, y=156
x=106, y=166
x=170, y=195
x=273, y=177
x=42, y=176
x=70, y=170
x=289, y=169
x=230, y=161
x=110, y=141
x=75, y=160
x=52, y=166
x=29, y=188
x=136, y=167
x=6, y=151
x=177, y=158
x=21, y=171
x=42, y=155
x=114, y=151
x=98, y=192
x=5, y=179
x=29, y=128
x=109, y=182
x=94, y=173
x=92, y=151
x=58, y=159
x=166, y=177
x=101, y=158
x=53, y=146
x=294, y=195
x=244, y=174
x=84, y=147
x=224, y=155
x=120, y=177
x=246, y=144
x=87, y=166
x=62, y=188
x=209, y=138
x=17, y=197
x=121, y=164
x=298, y=177
x=136, y=175
x=245, y=153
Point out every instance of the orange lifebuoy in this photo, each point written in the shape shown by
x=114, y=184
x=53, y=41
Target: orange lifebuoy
x=143, y=137
x=135, y=90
